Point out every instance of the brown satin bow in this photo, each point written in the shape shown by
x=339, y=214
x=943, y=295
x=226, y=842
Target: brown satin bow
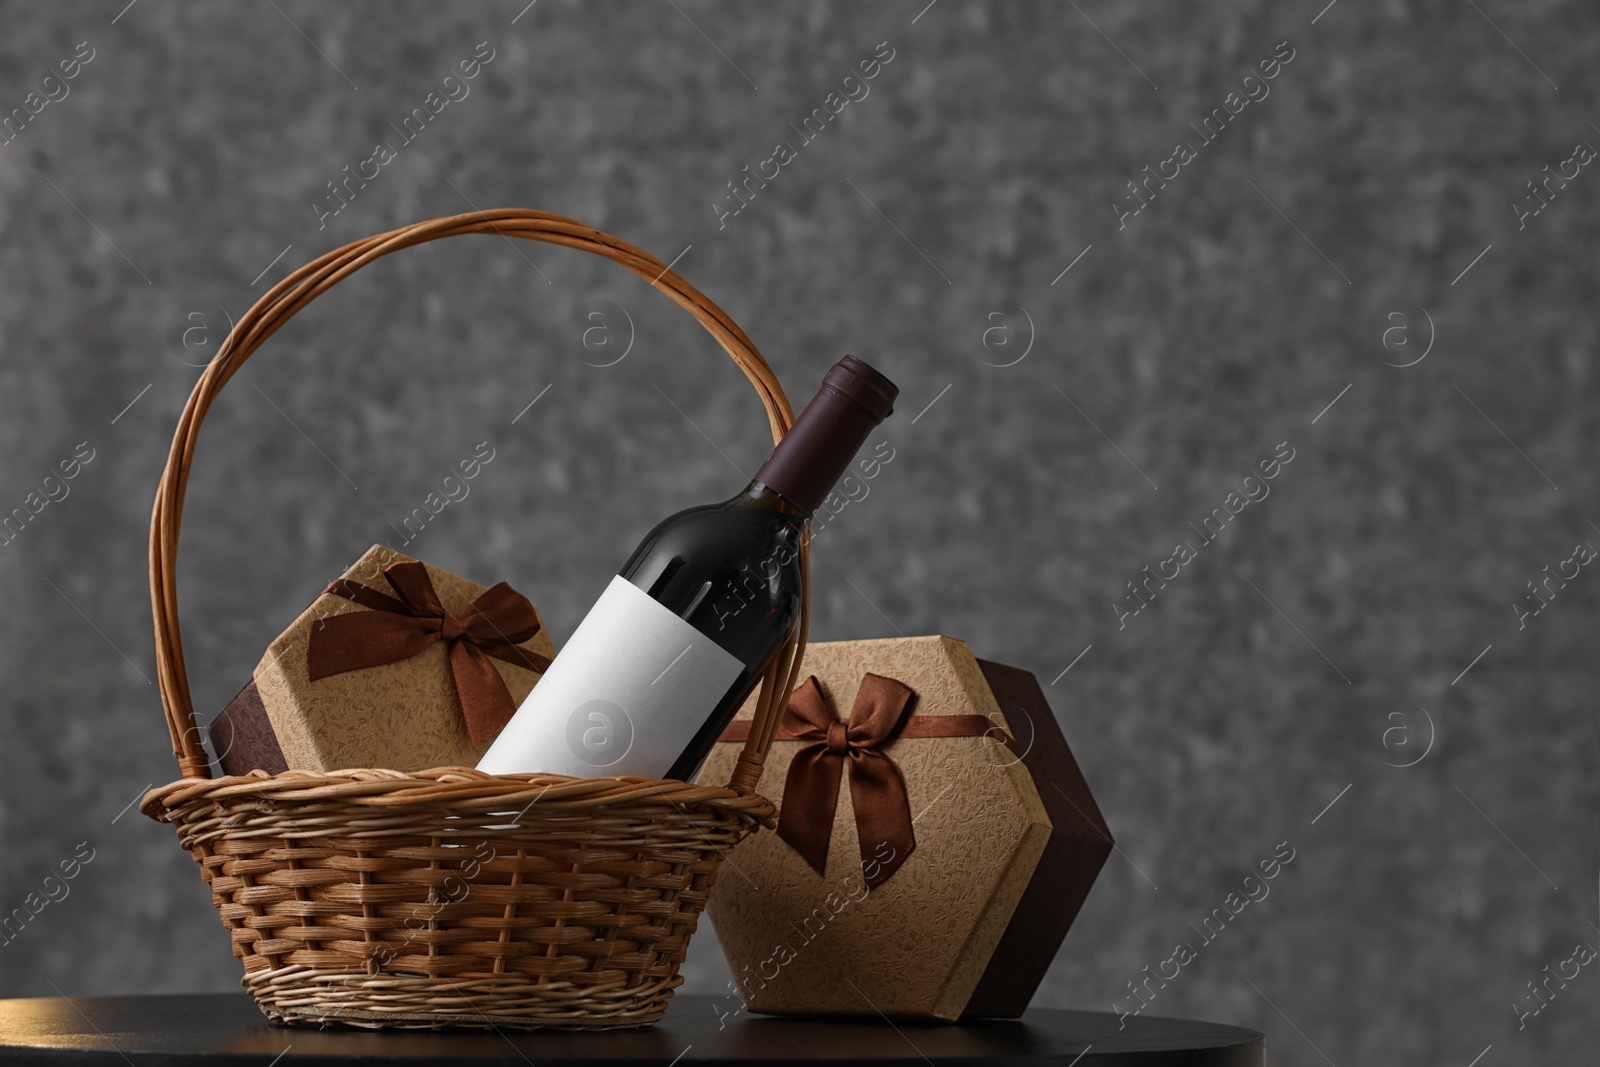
x=495, y=625
x=877, y=789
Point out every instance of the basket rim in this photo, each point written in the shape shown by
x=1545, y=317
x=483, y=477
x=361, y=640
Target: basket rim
x=461, y=789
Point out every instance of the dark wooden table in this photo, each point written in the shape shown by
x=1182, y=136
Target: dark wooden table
x=219, y=1029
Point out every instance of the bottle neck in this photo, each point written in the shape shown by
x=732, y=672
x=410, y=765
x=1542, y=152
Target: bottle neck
x=763, y=497
x=818, y=449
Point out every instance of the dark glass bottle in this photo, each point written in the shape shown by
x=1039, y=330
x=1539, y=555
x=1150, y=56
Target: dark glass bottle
x=694, y=618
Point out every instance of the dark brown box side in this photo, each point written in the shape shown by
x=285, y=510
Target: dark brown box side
x=242, y=736
x=1078, y=848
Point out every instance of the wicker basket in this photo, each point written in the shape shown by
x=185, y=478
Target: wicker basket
x=450, y=897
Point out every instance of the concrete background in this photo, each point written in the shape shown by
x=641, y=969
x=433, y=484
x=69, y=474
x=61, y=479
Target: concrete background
x=1224, y=318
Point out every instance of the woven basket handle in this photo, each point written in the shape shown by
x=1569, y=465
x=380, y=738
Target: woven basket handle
x=292, y=294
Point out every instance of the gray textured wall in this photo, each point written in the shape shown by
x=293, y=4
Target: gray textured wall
x=1178, y=351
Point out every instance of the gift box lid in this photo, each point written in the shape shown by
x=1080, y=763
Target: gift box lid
x=403, y=715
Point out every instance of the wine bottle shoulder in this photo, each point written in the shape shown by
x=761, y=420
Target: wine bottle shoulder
x=731, y=571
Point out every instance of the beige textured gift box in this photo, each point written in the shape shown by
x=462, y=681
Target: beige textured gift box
x=404, y=715
x=924, y=941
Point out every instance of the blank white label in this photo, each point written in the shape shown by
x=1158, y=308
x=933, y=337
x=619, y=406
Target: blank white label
x=625, y=696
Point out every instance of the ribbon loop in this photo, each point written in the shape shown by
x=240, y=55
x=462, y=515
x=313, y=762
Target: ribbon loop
x=877, y=790
x=402, y=626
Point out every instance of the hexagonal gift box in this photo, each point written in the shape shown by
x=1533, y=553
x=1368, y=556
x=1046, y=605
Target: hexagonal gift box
x=396, y=665
x=936, y=840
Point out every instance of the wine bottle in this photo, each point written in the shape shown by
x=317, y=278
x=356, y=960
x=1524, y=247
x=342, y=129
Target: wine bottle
x=687, y=628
